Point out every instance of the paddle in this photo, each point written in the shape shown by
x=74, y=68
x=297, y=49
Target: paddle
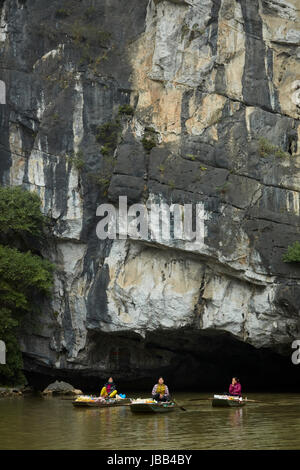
x=199, y=399
x=180, y=406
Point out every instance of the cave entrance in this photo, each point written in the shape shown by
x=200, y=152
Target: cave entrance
x=190, y=360
x=207, y=361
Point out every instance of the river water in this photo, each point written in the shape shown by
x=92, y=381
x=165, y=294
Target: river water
x=34, y=422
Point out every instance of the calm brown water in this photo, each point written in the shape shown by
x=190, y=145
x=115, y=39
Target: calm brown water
x=53, y=423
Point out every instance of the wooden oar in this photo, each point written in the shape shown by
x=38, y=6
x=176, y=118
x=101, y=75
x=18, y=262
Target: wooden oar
x=180, y=406
x=199, y=399
x=69, y=398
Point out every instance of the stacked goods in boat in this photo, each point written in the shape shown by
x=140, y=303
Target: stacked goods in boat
x=100, y=402
x=149, y=405
x=227, y=401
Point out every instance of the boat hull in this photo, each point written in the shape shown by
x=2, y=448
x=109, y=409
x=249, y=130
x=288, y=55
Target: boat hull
x=84, y=404
x=152, y=408
x=225, y=403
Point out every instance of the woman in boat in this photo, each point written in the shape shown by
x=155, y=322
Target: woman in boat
x=235, y=387
x=160, y=391
x=109, y=390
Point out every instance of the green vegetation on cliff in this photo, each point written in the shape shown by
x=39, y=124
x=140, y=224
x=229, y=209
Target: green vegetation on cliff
x=149, y=140
x=266, y=148
x=126, y=109
x=24, y=277
x=108, y=135
x=293, y=253
x=20, y=212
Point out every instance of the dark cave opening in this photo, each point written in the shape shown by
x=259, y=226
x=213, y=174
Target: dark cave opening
x=189, y=360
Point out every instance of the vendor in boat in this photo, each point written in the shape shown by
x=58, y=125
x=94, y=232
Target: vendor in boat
x=235, y=387
x=160, y=391
x=109, y=390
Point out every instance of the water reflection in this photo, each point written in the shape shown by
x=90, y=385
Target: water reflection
x=236, y=417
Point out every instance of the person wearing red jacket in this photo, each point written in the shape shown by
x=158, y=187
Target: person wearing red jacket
x=235, y=387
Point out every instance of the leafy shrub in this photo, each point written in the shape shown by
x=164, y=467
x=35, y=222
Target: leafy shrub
x=108, y=134
x=24, y=277
x=91, y=35
x=10, y=373
x=149, y=140
x=20, y=273
x=148, y=143
x=126, y=109
x=105, y=150
x=62, y=13
x=20, y=212
x=293, y=253
x=266, y=148
x=103, y=181
x=77, y=160
x=279, y=152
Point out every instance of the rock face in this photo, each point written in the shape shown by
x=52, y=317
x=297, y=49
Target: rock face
x=216, y=86
x=61, y=388
x=6, y=392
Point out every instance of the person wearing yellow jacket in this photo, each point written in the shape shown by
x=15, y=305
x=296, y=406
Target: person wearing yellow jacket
x=160, y=391
x=109, y=390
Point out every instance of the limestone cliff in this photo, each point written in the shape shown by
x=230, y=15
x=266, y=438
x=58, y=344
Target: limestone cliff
x=214, y=86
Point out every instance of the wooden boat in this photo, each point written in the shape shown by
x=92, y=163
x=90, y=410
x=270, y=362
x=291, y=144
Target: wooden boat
x=225, y=401
x=100, y=404
x=151, y=407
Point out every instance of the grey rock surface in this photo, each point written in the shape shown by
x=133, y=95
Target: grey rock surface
x=61, y=388
x=210, y=79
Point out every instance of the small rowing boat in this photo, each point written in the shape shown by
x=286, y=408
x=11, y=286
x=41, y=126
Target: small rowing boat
x=151, y=406
x=227, y=401
x=96, y=402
